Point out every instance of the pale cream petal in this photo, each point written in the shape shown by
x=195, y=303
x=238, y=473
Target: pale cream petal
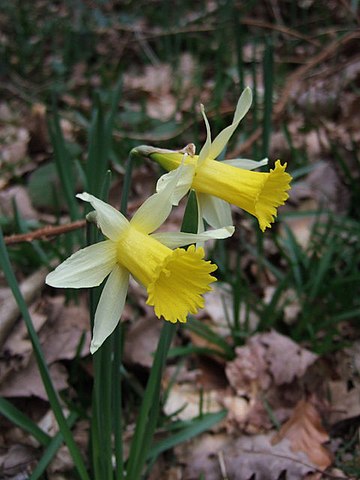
x=215, y=211
x=183, y=183
x=110, y=306
x=155, y=210
x=205, y=150
x=222, y=139
x=180, y=239
x=110, y=221
x=86, y=268
x=243, y=105
x=246, y=163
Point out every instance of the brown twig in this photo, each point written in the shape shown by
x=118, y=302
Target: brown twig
x=293, y=83
x=251, y=22
x=247, y=21
x=45, y=232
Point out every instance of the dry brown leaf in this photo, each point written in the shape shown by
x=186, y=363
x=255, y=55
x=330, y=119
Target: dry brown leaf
x=219, y=309
x=16, y=353
x=9, y=311
x=344, y=401
x=200, y=456
x=156, y=81
x=343, y=387
x=20, y=196
x=162, y=107
x=306, y=434
x=268, y=369
x=14, y=144
x=63, y=462
x=17, y=461
x=239, y=409
x=247, y=457
x=142, y=338
x=189, y=401
x=255, y=455
x=60, y=330
x=62, y=333
x=27, y=382
x=267, y=358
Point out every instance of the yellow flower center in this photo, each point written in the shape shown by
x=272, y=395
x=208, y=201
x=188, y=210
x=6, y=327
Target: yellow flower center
x=258, y=193
x=175, y=279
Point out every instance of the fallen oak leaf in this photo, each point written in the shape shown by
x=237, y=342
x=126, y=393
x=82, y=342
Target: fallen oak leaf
x=265, y=359
x=306, y=434
x=268, y=367
x=246, y=457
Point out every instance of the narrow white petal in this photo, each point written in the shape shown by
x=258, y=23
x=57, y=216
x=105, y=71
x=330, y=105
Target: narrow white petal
x=243, y=105
x=86, y=268
x=110, y=306
x=110, y=221
x=215, y=211
x=245, y=163
x=171, y=187
x=205, y=150
x=183, y=184
x=222, y=139
x=180, y=239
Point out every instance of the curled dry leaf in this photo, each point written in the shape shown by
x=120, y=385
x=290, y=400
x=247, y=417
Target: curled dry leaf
x=306, y=434
x=267, y=358
x=267, y=370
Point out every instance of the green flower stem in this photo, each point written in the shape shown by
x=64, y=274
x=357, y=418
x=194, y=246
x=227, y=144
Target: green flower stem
x=117, y=402
x=41, y=362
x=107, y=394
x=102, y=412
x=101, y=442
x=118, y=351
x=147, y=420
x=150, y=407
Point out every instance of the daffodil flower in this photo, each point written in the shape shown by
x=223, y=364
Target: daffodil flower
x=220, y=183
x=175, y=280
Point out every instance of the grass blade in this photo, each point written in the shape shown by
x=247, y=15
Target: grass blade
x=41, y=362
x=18, y=418
x=197, y=426
x=51, y=450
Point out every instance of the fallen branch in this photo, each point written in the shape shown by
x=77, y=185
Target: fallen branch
x=44, y=233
